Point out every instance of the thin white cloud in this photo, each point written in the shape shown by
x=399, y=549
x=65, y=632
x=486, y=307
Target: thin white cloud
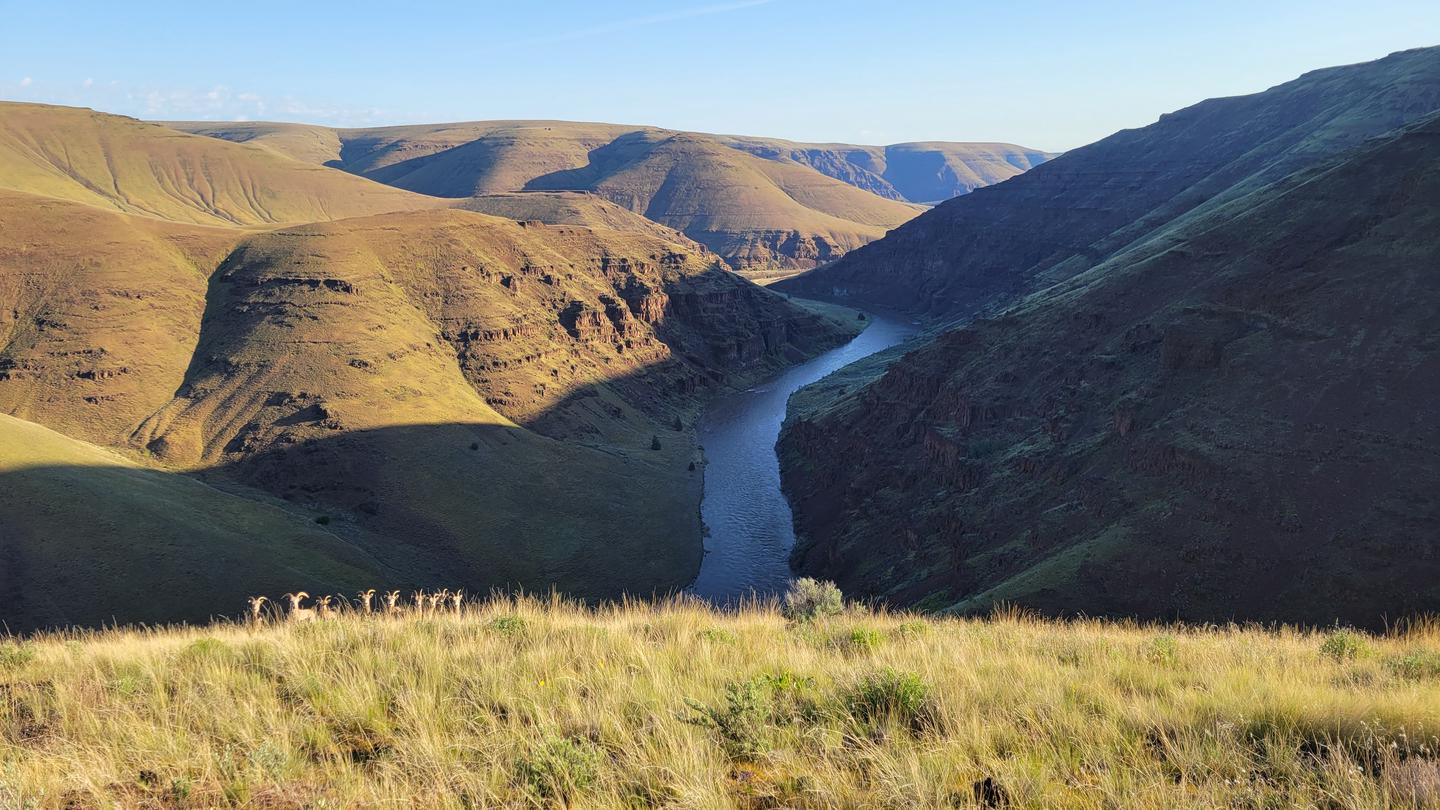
x=653, y=19
x=26, y=82
x=88, y=83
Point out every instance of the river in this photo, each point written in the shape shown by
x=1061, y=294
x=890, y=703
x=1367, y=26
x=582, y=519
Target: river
x=749, y=532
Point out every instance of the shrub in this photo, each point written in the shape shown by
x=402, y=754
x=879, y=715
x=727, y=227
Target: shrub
x=740, y=721
x=718, y=635
x=912, y=629
x=1343, y=645
x=14, y=655
x=860, y=639
x=889, y=694
x=654, y=442
x=809, y=599
x=323, y=520
x=1162, y=650
x=508, y=625
x=560, y=768
x=1416, y=665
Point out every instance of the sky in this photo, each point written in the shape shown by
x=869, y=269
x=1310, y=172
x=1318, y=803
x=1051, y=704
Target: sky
x=1048, y=74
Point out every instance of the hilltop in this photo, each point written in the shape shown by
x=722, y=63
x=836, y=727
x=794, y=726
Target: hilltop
x=1233, y=418
x=126, y=165
x=762, y=204
x=984, y=250
x=545, y=704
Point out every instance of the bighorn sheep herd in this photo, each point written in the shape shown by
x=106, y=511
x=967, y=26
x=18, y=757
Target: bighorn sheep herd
x=422, y=603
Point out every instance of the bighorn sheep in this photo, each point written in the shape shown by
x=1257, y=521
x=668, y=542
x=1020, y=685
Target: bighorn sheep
x=327, y=607
x=297, y=613
x=257, y=609
x=434, y=600
x=366, y=597
x=392, y=603
x=456, y=600
x=420, y=598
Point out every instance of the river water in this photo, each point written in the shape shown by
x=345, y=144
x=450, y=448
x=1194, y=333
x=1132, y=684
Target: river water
x=747, y=519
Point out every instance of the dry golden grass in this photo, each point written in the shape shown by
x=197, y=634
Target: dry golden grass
x=535, y=704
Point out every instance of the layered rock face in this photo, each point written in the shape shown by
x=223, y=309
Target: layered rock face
x=1074, y=212
x=1235, y=419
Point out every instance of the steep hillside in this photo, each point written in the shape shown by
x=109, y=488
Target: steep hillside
x=92, y=537
x=753, y=212
x=928, y=172
x=1072, y=213
x=1234, y=419
x=759, y=203
x=138, y=168
x=99, y=312
x=459, y=397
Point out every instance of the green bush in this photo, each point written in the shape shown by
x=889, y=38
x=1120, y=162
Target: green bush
x=1343, y=645
x=1162, y=650
x=508, y=625
x=740, y=721
x=560, y=769
x=14, y=655
x=890, y=694
x=861, y=639
x=717, y=635
x=809, y=599
x=1416, y=665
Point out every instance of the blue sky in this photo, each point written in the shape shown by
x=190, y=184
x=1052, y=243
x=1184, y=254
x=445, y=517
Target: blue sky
x=1048, y=74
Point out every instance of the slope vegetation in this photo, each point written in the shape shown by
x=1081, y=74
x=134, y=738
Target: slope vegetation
x=1072, y=213
x=759, y=203
x=1234, y=419
x=138, y=168
x=526, y=704
x=451, y=395
x=93, y=537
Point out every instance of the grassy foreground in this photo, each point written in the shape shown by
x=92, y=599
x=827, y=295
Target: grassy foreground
x=543, y=703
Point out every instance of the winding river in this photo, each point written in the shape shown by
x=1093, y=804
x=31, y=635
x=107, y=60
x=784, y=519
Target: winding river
x=747, y=519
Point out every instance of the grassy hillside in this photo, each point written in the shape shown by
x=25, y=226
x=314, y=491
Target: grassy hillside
x=1072, y=213
x=99, y=312
x=1236, y=419
x=138, y=168
x=91, y=536
x=534, y=704
x=760, y=203
x=458, y=397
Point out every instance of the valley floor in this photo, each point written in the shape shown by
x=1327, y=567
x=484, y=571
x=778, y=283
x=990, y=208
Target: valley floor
x=537, y=704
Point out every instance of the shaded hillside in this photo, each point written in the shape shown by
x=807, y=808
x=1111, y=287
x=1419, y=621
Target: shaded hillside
x=91, y=537
x=460, y=397
x=115, y=162
x=759, y=203
x=1072, y=213
x=928, y=172
x=1234, y=419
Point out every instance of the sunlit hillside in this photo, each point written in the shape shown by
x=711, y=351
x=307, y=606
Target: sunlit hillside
x=547, y=704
